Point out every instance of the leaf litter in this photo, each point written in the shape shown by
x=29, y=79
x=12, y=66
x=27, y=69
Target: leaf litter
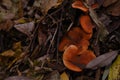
x=30, y=32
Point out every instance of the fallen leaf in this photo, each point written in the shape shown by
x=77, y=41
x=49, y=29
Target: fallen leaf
x=25, y=28
x=90, y=2
x=114, y=9
x=17, y=45
x=41, y=37
x=18, y=78
x=114, y=73
x=8, y=53
x=64, y=76
x=20, y=21
x=100, y=2
x=83, y=77
x=102, y=60
x=45, y=5
x=6, y=16
x=108, y=2
x=7, y=3
x=53, y=76
x=105, y=19
x=106, y=72
x=6, y=25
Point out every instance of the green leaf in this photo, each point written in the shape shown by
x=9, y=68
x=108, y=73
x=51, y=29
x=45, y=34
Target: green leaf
x=64, y=76
x=114, y=73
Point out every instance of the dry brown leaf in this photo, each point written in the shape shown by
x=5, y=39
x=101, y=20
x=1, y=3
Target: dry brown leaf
x=41, y=37
x=8, y=53
x=108, y=2
x=102, y=60
x=7, y=3
x=17, y=45
x=114, y=73
x=114, y=9
x=90, y=2
x=53, y=76
x=45, y=5
x=18, y=78
x=25, y=28
x=64, y=76
x=6, y=25
x=105, y=19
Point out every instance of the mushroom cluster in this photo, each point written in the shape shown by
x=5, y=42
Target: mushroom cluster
x=76, y=41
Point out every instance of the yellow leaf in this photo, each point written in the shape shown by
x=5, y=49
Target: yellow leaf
x=8, y=53
x=64, y=76
x=17, y=45
x=114, y=73
x=20, y=21
x=45, y=5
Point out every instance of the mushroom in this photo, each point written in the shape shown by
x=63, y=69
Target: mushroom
x=65, y=42
x=83, y=44
x=76, y=60
x=86, y=23
x=79, y=5
x=74, y=36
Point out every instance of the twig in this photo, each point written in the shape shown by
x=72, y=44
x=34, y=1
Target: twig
x=97, y=76
x=52, y=40
x=102, y=31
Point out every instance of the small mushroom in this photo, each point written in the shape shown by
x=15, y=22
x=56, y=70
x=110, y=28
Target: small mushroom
x=86, y=23
x=79, y=5
x=74, y=36
x=95, y=6
x=65, y=42
x=76, y=60
x=83, y=44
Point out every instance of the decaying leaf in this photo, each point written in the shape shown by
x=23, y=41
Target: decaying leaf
x=7, y=3
x=100, y=2
x=106, y=72
x=41, y=37
x=114, y=9
x=45, y=5
x=84, y=78
x=5, y=16
x=104, y=19
x=25, y=28
x=18, y=78
x=6, y=25
x=21, y=20
x=64, y=76
x=17, y=45
x=114, y=73
x=90, y=2
x=102, y=31
x=8, y=53
x=108, y=2
x=102, y=60
x=53, y=76
x=14, y=52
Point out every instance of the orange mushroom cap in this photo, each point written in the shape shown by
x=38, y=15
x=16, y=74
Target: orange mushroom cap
x=65, y=42
x=79, y=5
x=74, y=36
x=75, y=60
x=95, y=5
x=83, y=44
x=86, y=23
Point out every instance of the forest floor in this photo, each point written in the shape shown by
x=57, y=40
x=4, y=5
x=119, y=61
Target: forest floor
x=31, y=32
